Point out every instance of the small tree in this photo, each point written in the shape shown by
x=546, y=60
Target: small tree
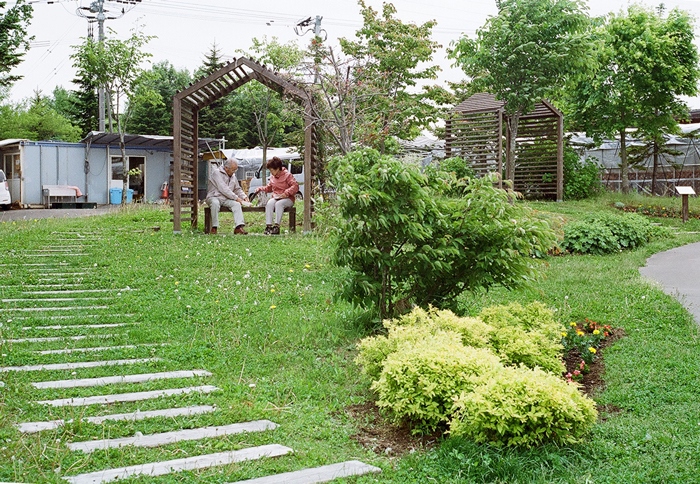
x=116, y=65
x=13, y=38
x=644, y=64
x=393, y=57
x=272, y=118
x=406, y=242
x=524, y=54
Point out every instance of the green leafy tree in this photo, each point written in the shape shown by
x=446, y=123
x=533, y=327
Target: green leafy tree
x=153, y=114
x=272, y=115
x=392, y=58
x=13, y=38
x=405, y=241
x=525, y=53
x=37, y=121
x=116, y=65
x=645, y=63
x=81, y=107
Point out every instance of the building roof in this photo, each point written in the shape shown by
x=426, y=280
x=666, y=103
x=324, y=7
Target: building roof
x=146, y=141
x=487, y=102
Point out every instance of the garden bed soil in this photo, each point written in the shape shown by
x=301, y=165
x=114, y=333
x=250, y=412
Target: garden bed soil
x=376, y=433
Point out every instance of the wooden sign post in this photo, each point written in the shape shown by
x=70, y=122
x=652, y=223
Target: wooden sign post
x=684, y=192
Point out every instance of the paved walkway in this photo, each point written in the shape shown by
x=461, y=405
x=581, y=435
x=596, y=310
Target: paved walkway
x=38, y=213
x=678, y=273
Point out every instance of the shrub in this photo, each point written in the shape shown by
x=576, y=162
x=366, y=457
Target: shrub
x=605, y=233
x=418, y=383
x=526, y=335
x=530, y=348
x=406, y=240
x=581, y=178
x=523, y=407
x=532, y=316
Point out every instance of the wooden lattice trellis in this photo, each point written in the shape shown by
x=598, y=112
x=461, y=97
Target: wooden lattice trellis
x=475, y=132
x=186, y=106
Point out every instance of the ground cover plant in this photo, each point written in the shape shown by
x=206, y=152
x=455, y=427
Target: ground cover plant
x=288, y=356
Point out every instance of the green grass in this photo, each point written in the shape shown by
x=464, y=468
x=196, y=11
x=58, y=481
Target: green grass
x=211, y=298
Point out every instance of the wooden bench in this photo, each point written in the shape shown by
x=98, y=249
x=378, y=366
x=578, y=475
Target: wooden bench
x=292, y=211
x=58, y=194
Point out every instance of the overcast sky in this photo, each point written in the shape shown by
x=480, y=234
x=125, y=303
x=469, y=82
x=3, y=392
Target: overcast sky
x=186, y=30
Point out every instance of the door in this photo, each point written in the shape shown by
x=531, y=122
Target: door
x=13, y=170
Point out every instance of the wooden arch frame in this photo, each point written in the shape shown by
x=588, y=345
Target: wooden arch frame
x=186, y=106
x=475, y=131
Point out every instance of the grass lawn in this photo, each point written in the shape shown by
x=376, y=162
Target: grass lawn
x=259, y=313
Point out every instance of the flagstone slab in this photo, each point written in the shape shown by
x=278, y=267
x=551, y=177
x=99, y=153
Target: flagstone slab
x=317, y=474
x=165, y=438
x=125, y=397
x=113, y=380
x=179, y=465
x=77, y=326
x=74, y=317
x=55, y=299
x=77, y=365
x=33, y=427
x=95, y=348
x=49, y=339
x=78, y=291
x=64, y=308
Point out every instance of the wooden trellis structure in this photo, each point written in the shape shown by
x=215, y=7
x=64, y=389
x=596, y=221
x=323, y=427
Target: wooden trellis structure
x=186, y=106
x=475, y=131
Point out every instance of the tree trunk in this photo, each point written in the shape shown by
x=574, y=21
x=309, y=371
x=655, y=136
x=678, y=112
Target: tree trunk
x=624, y=166
x=513, y=120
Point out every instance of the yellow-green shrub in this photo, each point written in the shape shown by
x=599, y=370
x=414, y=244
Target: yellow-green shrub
x=418, y=382
x=523, y=407
x=416, y=326
x=531, y=317
x=530, y=348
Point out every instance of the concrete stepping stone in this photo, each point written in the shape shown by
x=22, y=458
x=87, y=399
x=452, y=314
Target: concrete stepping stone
x=77, y=365
x=50, y=339
x=55, y=299
x=33, y=427
x=65, y=308
x=33, y=266
x=164, y=438
x=179, y=465
x=66, y=316
x=95, y=348
x=77, y=326
x=125, y=397
x=113, y=380
x=317, y=474
x=78, y=291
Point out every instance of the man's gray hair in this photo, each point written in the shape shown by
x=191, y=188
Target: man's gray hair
x=230, y=162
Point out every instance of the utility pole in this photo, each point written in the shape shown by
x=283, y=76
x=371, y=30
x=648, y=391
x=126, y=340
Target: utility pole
x=97, y=13
x=317, y=35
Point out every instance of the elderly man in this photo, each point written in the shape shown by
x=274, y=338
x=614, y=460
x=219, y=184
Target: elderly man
x=224, y=190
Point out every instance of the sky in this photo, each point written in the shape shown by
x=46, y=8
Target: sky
x=185, y=31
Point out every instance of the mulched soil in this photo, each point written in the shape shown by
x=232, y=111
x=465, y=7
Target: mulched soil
x=374, y=432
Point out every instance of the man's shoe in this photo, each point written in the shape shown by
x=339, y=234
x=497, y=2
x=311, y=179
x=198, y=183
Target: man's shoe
x=268, y=228
x=213, y=231
x=275, y=230
x=239, y=231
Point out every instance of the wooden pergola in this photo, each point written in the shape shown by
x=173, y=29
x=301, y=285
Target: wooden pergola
x=186, y=106
x=475, y=131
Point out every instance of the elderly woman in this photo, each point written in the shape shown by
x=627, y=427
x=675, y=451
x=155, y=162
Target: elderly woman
x=284, y=188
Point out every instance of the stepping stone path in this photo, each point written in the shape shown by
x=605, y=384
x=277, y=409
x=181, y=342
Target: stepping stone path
x=65, y=287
